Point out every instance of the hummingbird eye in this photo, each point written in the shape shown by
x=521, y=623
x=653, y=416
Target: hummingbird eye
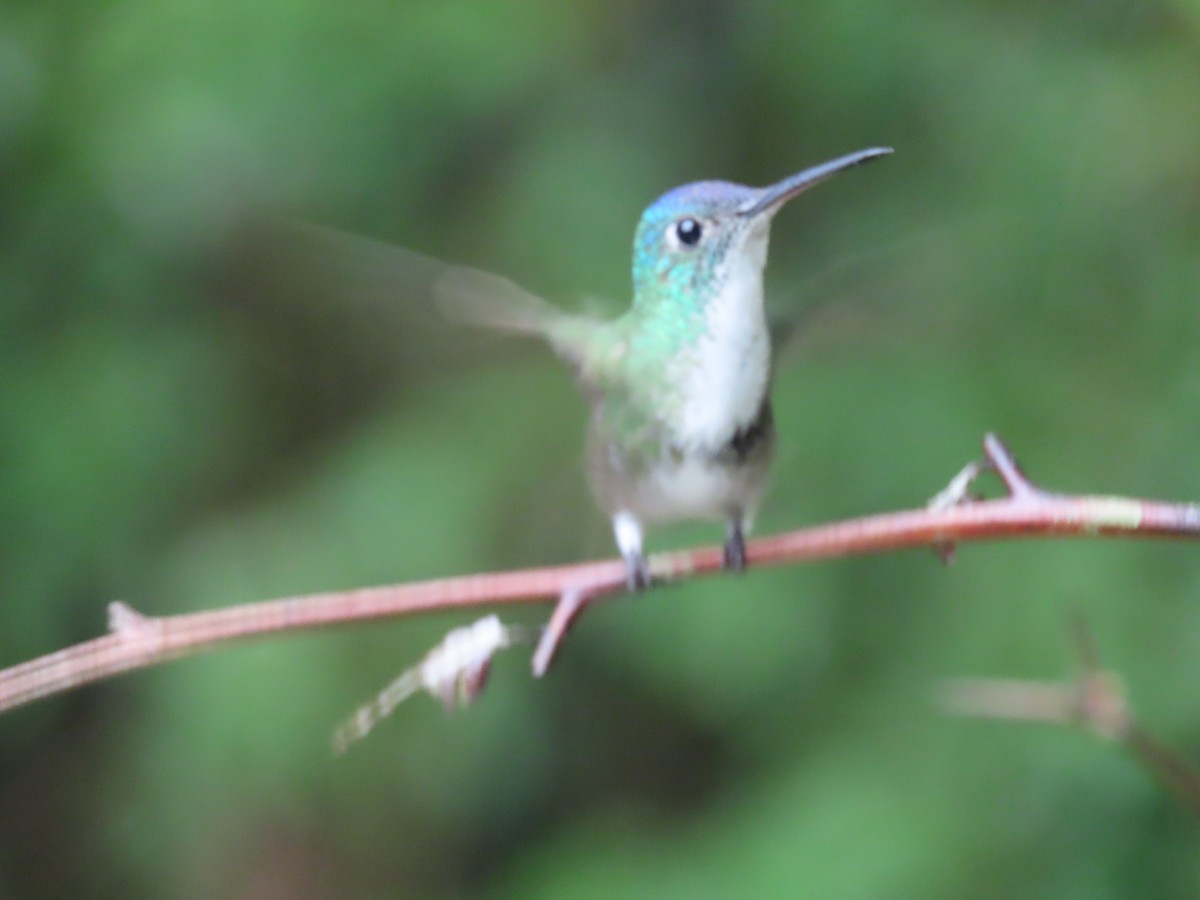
x=688, y=231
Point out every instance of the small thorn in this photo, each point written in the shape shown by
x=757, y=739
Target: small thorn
x=124, y=620
x=945, y=551
x=1005, y=465
x=733, y=558
x=957, y=493
x=570, y=605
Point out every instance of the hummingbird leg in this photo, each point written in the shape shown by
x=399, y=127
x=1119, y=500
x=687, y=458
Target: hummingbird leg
x=734, y=557
x=639, y=573
x=628, y=532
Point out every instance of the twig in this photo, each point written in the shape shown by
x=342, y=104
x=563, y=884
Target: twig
x=139, y=641
x=1093, y=698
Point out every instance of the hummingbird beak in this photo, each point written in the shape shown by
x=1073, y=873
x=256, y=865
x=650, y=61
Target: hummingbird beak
x=771, y=198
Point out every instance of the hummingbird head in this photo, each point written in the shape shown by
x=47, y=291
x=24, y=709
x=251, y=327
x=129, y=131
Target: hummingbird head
x=692, y=239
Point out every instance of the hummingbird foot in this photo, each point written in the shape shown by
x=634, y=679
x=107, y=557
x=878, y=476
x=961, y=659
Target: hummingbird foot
x=734, y=556
x=628, y=532
x=638, y=570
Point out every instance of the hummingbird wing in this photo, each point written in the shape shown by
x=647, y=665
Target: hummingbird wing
x=376, y=273
x=475, y=297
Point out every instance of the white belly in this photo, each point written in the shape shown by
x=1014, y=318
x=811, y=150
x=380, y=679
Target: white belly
x=695, y=488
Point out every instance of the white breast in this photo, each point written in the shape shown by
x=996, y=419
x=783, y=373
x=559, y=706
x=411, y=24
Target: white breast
x=728, y=372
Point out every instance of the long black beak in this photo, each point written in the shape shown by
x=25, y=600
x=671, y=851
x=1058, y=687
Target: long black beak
x=772, y=197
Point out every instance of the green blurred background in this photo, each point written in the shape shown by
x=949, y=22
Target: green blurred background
x=197, y=410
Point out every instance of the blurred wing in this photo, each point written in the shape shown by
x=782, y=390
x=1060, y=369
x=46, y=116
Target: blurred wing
x=375, y=272
x=372, y=272
x=834, y=306
x=475, y=297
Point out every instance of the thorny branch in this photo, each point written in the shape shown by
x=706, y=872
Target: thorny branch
x=137, y=641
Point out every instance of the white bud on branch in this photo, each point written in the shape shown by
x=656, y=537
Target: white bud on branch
x=455, y=671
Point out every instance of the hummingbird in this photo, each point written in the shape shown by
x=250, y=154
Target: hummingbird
x=679, y=386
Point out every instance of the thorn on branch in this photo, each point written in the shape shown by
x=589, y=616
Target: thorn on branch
x=570, y=604
x=1004, y=464
x=126, y=621
x=956, y=493
x=455, y=671
x=998, y=459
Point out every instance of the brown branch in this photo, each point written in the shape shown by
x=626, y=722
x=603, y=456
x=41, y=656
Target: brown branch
x=138, y=641
x=1093, y=698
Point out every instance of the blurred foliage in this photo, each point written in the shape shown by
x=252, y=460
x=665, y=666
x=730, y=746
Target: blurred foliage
x=195, y=412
